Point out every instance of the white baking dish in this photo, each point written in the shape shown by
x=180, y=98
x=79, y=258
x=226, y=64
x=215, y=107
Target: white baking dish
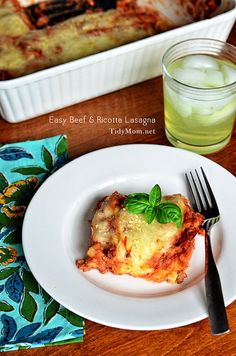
x=54, y=88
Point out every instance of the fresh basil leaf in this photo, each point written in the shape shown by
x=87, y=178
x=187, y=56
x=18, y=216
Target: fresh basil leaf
x=155, y=195
x=143, y=196
x=136, y=203
x=150, y=213
x=168, y=213
x=136, y=208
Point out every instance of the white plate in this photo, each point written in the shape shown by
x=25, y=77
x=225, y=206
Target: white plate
x=56, y=233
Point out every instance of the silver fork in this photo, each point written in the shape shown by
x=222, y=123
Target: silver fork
x=203, y=201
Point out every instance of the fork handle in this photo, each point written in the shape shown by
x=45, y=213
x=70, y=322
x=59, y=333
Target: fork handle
x=215, y=300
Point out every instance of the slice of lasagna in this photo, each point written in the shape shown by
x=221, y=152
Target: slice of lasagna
x=124, y=243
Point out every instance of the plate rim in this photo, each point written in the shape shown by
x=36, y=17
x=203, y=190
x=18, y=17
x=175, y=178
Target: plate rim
x=74, y=162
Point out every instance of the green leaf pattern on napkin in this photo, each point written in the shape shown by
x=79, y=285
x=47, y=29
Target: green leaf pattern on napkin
x=29, y=317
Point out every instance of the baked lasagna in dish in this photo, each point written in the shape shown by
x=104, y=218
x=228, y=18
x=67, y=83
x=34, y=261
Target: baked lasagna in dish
x=54, y=32
x=124, y=243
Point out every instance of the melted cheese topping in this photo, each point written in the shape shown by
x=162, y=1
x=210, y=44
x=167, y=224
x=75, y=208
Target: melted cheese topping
x=142, y=240
x=123, y=242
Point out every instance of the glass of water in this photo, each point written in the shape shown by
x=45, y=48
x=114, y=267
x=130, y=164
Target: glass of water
x=199, y=79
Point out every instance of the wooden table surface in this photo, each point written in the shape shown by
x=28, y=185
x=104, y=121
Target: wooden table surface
x=142, y=100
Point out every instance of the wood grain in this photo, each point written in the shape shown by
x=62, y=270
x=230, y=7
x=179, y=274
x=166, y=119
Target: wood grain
x=142, y=100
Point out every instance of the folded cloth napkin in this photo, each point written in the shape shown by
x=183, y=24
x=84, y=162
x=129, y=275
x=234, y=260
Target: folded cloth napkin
x=29, y=316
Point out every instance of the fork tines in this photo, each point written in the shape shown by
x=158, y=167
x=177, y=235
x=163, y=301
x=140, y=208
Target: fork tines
x=203, y=197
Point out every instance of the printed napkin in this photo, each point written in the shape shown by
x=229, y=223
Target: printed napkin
x=29, y=316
